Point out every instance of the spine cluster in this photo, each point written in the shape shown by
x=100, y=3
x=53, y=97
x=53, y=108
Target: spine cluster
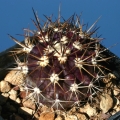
x=63, y=64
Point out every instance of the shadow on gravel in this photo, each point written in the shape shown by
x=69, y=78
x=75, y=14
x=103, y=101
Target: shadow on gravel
x=10, y=110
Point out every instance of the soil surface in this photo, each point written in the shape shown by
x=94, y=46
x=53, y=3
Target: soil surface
x=14, y=105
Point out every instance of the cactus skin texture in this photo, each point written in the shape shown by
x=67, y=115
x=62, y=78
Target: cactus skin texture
x=63, y=64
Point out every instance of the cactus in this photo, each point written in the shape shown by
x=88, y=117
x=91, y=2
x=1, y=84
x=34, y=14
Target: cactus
x=63, y=64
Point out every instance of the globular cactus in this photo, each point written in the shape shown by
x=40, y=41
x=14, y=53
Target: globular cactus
x=63, y=64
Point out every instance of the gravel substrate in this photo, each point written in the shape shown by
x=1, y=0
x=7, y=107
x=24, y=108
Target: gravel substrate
x=15, y=106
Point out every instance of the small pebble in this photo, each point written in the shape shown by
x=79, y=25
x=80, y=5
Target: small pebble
x=29, y=103
x=81, y=116
x=89, y=110
x=4, y=86
x=59, y=118
x=13, y=95
x=15, y=77
x=71, y=117
x=18, y=100
x=47, y=116
x=106, y=103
